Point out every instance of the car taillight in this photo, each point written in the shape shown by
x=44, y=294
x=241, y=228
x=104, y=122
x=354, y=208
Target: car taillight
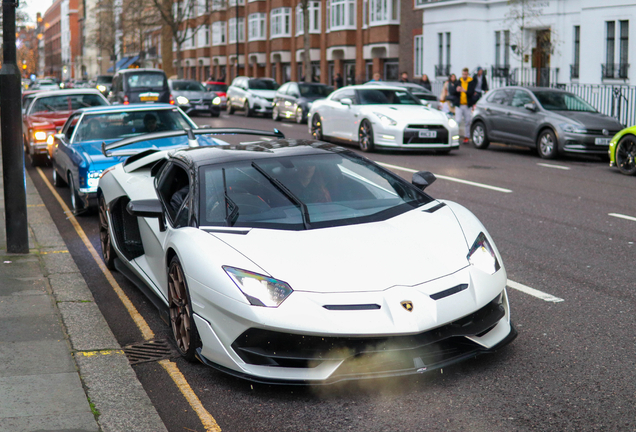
x=126, y=100
x=171, y=100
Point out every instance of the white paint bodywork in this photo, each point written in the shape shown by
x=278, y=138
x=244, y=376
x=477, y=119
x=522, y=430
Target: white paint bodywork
x=408, y=257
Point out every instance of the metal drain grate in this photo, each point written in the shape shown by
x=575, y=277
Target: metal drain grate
x=153, y=350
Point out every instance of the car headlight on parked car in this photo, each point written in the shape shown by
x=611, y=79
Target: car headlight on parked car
x=386, y=120
x=216, y=101
x=452, y=123
x=40, y=136
x=93, y=178
x=482, y=255
x=259, y=290
x=101, y=88
x=182, y=100
x=567, y=127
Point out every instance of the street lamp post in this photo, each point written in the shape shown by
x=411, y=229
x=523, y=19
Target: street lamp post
x=12, y=150
x=237, y=38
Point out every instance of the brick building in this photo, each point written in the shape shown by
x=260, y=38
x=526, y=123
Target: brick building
x=61, y=39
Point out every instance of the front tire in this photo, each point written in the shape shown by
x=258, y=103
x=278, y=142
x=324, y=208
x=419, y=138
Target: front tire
x=247, y=112
x=365, y=136
x=75, y=199
x=547, y=145
x=181, y=317
x=230, y=108
x=316, y=128
x=57, y=180
x=625, y=156
x=108, y=252
x=479, y=136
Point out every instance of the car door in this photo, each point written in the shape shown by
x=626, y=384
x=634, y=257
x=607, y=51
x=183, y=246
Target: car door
x=62, y=152
x=519, y=122
x=293, y=94
x=174, y=190
x=344, y=114
x=494, y=111
x=279, y=99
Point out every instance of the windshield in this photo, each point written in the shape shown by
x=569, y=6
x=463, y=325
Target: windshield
x=104, y=79
x=216, y=87
x=387, y=97
x=308, y=90
x=146, y=80
x=560, y=101
x=187, y=86
x=119, y=125
x=66, y=103
x=259, y=84
x=303, y=191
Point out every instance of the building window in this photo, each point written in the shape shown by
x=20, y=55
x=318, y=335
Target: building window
x=497, y=48
x=611, y=69
x=384, y=12
x=506, y=53
x=189, y=39
x=231, y=3
x=574, y=69
x=443, y=54
x=609, y=42
x=624, y=43
x=365, y=13
x=232, y=30
x=280, y=22
x=219, y=32
x=203, y=6
x=314, y=18
x=343, y=14
x=256, y=26
x=418, y=55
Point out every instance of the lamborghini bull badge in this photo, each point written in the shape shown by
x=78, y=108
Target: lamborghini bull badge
x=408, y=305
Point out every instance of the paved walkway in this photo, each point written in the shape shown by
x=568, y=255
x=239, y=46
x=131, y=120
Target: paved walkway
x=61, y=368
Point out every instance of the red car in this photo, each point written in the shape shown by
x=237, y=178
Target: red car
x=45, y=114
x=219, y=88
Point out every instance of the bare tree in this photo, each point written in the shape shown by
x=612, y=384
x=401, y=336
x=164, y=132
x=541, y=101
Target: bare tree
x=522, y=16
x=304, y=7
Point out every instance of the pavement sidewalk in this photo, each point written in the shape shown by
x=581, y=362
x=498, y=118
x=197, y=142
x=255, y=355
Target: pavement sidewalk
x=61, y=368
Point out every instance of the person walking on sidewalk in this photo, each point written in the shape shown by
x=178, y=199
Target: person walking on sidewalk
x=465, y=94
x=481, y=86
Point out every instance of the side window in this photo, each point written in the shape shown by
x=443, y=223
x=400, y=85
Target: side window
x=283, y=89
x=293, y=90
x=498, y=97
x=174, y=191
x=69, y=127
x=343, y=94
x=520, y=98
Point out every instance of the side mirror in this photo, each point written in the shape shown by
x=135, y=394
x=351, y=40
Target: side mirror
x=530, y=106
x=60, y=136
x=346, y=101
x=423, y=179
x=149, y=209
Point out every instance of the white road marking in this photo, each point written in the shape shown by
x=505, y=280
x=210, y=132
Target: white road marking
x=287, y=125
x=266, y=139
x=453, y=179
x=622, y=216
x=533, y=292
x=561, y=167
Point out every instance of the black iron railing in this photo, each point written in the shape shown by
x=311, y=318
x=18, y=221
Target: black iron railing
x=614, y=71
x=442, y=70
x=574, y=71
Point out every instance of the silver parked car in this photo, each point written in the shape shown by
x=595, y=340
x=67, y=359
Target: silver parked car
x=554, y=121
x=251, y=95
x=192, y=97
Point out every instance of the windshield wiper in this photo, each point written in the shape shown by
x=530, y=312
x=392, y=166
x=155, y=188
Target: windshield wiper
x=281, y=187
x=231, y=209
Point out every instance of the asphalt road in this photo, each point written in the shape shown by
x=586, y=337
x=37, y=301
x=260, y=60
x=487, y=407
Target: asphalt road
x=570, y=369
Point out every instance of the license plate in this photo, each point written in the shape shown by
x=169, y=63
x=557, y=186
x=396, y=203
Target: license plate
x=602, y=141
x=201, y=107
x=427, y=133
x=149, y=98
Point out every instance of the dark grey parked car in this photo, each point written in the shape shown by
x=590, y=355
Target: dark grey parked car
x=554, y=121
x=192, y=97
x=294, y=99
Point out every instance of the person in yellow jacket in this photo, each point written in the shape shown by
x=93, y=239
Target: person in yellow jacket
x=465, y=94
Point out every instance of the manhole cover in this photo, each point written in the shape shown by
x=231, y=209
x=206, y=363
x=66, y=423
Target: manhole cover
x=150, y=351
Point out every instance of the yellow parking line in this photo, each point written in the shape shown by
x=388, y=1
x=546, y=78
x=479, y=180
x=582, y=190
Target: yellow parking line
x=206, y=418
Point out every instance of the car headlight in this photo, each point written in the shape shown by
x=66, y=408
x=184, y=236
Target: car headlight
x=386, y=120
x=216, y=101
x=101, y=88
x=452, y=123
x=182, y=100
x=93, y=178
x=482, y=255
x=40, y=136
x=567, y=127
x=259, y=290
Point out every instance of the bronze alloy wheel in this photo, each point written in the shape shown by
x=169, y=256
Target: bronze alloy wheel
x=626, y=155
x=316, y=128
x=365, y=136
x=108, y=252
x=183, y=328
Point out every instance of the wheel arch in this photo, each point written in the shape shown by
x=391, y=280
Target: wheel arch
x=544, y=127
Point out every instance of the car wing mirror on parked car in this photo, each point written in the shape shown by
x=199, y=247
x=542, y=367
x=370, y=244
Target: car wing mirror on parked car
x=346, y=101
x=151, y=208
x=423, y=179
x=531, y=106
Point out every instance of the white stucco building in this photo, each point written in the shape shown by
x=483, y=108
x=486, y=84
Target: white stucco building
x=564, y=41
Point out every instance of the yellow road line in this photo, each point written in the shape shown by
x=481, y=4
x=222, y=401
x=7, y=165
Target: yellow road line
x=208, y=421
x=206, y=418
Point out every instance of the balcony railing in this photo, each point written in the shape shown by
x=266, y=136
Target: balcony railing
x=574, y=71
x=442, y=70
x=614, y=71
x=500, y=71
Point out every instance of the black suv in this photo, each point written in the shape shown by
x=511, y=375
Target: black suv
x=139, y=85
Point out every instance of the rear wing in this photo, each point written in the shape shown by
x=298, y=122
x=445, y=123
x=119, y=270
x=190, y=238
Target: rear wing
x=190, y=133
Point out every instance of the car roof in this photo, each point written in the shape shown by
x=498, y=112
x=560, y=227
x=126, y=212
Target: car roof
x=533, y=89
x=68, y=92
x=367, y=86
x=127, y=71
x=126, y=108
x=260, y=150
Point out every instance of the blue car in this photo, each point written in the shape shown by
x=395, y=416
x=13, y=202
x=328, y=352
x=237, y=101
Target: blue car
x=76, y=152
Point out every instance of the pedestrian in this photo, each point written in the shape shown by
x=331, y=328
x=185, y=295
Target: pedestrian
x=338, y=81
x=482, y=84
x=376, y=77
x=444, y=102
x=404, y=78
x=451, y=98
x=465, y=93
x=425, y=82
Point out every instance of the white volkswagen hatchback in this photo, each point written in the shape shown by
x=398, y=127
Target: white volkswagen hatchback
x=374, y=116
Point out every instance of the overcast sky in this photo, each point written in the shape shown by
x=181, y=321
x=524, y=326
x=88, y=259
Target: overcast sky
x=35, y=6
